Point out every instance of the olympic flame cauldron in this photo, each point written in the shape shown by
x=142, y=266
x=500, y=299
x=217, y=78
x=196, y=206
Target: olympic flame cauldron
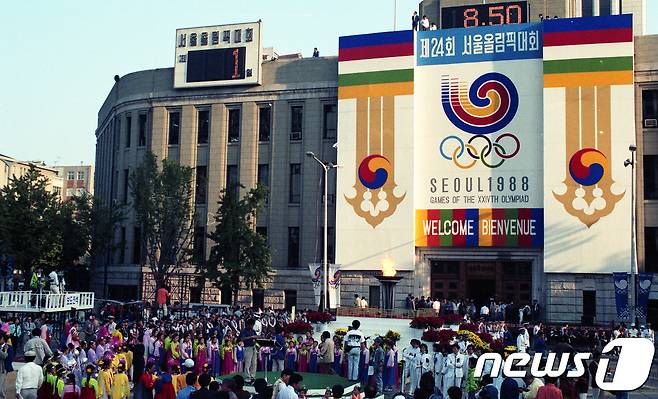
x=388, y=280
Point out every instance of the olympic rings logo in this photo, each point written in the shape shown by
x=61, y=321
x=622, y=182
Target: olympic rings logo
x=480, y=147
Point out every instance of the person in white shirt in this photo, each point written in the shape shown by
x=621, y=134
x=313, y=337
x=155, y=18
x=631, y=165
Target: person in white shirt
x=29, y=378
x=632, y=332
x=294, y=386
x=438, y=367
x=436, y=306
x=282, y=382
x=364, y=303
x=453, y=370
x=648, y=333
x=522, y=341
x=357, y=301
x=484, y=312
x=54, y=282
x=353, y=340
x=425, y=23
x=409, y=355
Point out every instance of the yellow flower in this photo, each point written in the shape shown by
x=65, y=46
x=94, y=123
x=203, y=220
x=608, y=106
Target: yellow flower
x=340, y=331
x=474, y=339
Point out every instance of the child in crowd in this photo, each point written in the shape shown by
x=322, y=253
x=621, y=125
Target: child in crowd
x=313, y=357
x=239, y=356
x=291, y=356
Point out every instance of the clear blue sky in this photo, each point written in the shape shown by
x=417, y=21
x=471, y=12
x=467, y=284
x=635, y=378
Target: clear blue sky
x=58, y=59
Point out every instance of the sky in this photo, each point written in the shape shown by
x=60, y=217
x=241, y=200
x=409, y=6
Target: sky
x=58, y=58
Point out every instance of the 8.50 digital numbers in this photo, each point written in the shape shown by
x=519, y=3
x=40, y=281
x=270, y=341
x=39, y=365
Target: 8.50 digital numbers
x=515, y=12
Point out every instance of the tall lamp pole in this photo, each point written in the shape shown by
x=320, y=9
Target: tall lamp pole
x=631, y=291
x=325, y=167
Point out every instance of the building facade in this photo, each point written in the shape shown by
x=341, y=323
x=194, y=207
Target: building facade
x=10, y=167
x=245, y=134
x=259, y=134
x=78, y=180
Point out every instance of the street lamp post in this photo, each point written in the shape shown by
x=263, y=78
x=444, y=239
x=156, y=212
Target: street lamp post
x=325, y=167
x=631, y=289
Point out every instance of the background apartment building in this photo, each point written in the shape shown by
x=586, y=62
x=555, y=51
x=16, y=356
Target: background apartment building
x=78, y=180
x=10, y=167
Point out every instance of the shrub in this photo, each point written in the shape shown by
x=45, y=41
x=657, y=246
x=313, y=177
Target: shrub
x=298, y=327
x=319, y=317
x=426, y=322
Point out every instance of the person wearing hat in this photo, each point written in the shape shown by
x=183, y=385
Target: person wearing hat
x=120, y=384
x=89, y=385
x=104, y=379
x=29, y=378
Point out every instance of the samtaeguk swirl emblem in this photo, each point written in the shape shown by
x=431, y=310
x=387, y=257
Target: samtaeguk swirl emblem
x=374, y=171
x=588, y=166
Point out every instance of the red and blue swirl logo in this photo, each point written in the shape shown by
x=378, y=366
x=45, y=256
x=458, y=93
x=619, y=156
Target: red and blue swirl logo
x=486, y=107
x=588, y=166
x=374, y=171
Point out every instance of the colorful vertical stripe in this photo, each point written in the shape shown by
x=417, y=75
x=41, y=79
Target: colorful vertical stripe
x=376, y=65
x=493, y=227
x=592, y=51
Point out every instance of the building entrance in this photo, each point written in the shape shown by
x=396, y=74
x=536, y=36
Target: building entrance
x=482, y=280
x=481, y=291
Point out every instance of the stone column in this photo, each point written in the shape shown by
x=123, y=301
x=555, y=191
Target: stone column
x=248, y=147
x=188, y=137
x=159, y=132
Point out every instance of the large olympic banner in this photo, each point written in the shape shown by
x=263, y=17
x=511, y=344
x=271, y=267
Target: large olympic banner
x=589, y=123
x=478, y=137
x=374, y=203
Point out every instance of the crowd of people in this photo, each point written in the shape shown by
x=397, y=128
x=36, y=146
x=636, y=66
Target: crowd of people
x=167, y=357
x=495, y=310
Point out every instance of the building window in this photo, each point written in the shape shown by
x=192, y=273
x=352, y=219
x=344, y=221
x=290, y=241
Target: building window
x=233, y=125
x=142, y=130
x=199, y=253
x=605, y=7
x=329, y=121
x=126, y=173
x=264, y=123
x=174, y=127
x=649, y=108
x=588, y=8
x=293, y=246
x=295, y=188
x=232, y=179
x=200, y=185
x=262, y=230
x=122, y=246
x=129, y=123
x=203, y=127
x=264, y=178
x=296, y=122
x=290, y=299
x=651, y=249
x=81, y=175
x=226, y=295
x=258, y=298
x=651, y=177
x=137, y=246
x=70, y=175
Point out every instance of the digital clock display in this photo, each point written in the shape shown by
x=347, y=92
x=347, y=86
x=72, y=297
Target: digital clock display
x=216, y=64
x=513, y=12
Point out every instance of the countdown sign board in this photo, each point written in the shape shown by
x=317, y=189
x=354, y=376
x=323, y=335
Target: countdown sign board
x=478, y=107
x=476, y=15
x=218, y=55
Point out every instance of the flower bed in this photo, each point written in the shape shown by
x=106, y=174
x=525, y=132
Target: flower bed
x=475, y=340
x=469, y=327
x=392, y=336
x=452, y=318
x=298, y=327
x=319, y=317
x=441, y=336
x=426, y=322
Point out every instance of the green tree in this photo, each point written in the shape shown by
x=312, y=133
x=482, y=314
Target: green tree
x=88, y=232
x=164, y=211
x=31, y=220
x=240, y=257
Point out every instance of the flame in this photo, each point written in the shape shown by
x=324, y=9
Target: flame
x=388, y=267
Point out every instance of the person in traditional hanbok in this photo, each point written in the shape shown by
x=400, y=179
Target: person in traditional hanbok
x=364, y=362
x=239, y=356
x=71, y=389
x=73, y=337
x=338, y=359
x=104, y=379
x=313, y=358
x=215, y=357
x=228, y=357
x=263, y=358
x=291, y=356
x=120, y=384
x=89, y=385
x=391, y=367
x=201, y=357
x=302, y=359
